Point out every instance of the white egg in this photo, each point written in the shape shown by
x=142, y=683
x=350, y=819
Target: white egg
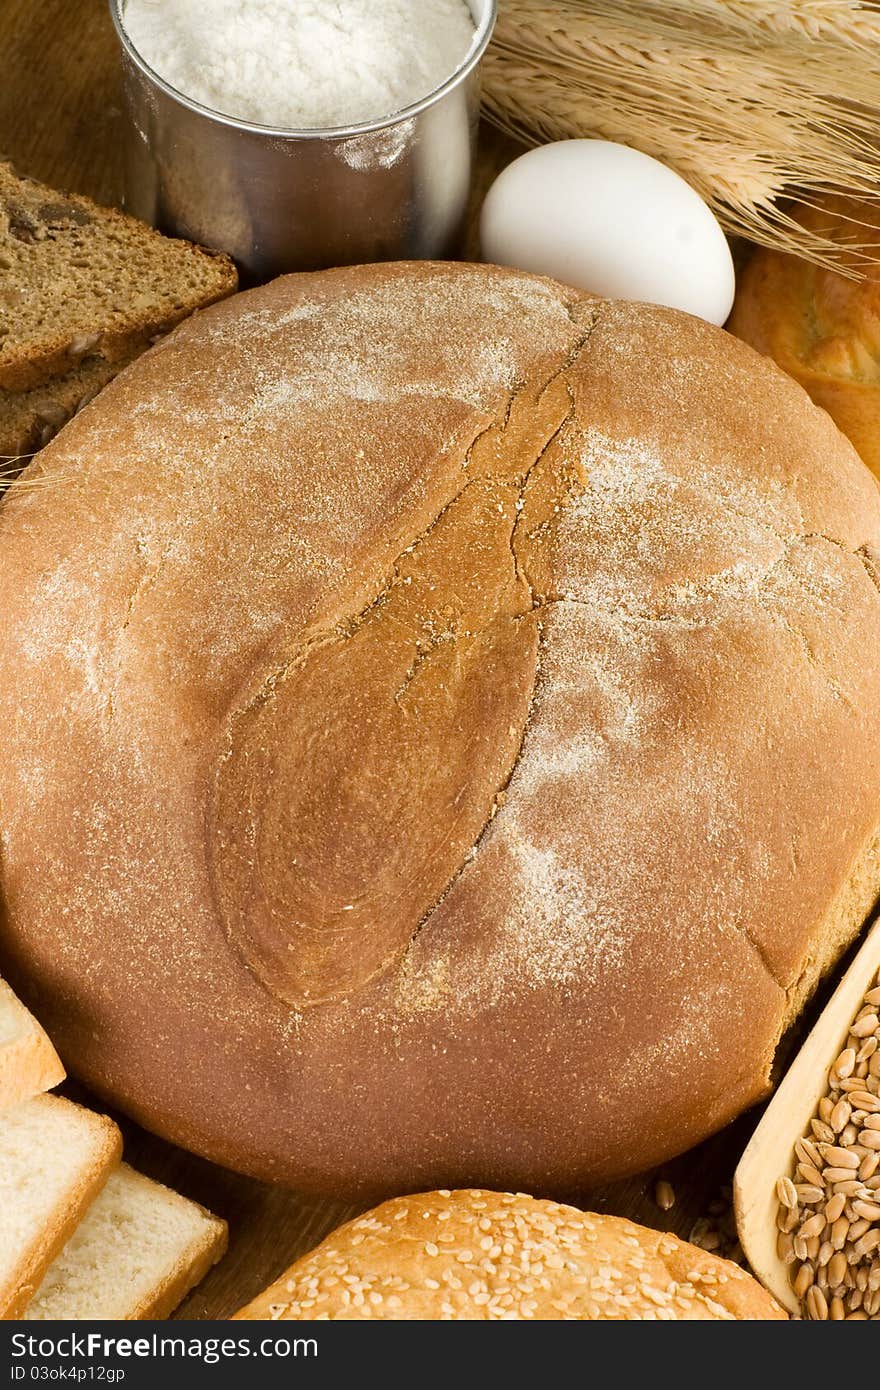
x=609, y=219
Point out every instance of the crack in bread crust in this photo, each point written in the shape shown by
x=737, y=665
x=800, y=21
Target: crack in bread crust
x=284, y=917
x=342, y=955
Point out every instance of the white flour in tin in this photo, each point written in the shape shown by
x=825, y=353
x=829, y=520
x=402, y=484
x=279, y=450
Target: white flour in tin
x=302, y=63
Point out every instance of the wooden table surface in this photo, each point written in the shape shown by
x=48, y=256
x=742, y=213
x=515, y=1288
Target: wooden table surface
x=61, y=120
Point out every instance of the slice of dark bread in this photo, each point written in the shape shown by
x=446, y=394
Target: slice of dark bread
x=78, y=280
x=29, y=419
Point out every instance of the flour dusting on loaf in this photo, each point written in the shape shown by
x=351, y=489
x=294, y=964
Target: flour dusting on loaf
x=454, y=675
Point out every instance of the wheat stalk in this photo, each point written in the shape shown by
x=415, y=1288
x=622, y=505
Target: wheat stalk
x=842, y=21
x=742, y=97
x=13, y=474
x=10, y=468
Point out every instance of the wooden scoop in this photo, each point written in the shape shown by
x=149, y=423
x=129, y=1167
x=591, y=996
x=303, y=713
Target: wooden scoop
x=770, y=1152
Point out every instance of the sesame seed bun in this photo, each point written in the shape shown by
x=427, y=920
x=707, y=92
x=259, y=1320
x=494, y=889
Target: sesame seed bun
x=498, y=1255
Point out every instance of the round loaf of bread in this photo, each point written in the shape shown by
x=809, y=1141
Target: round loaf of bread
x=496, y=1256
x=440, y=730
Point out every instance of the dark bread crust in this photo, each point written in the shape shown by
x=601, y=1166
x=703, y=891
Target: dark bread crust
x=29, y=419
x=451, y=741
x=77, y=279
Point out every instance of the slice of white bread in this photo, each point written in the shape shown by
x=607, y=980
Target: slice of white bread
x=54, y=1159
x=28, y=1061
x=138, y=1252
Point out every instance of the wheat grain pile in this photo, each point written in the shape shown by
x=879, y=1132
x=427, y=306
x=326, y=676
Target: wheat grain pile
x=752, y=101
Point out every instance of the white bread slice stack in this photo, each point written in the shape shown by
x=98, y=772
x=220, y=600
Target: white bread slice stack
x=137, y=1253
x=29, y=1063
x=82, y=1235
x=54, y=1159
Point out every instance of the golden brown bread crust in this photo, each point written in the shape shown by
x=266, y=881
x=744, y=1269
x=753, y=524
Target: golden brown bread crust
x=485, y=1256
x=823, y=328
x=441, y=729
